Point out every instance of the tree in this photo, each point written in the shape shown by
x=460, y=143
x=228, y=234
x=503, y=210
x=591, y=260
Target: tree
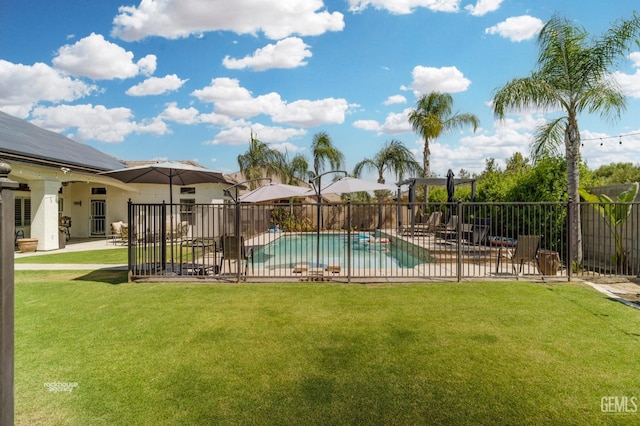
x=260, y=160
x=295, y=170
x=613, y=173
x=573, y=76
x=393, y=158
x=323, y=150
x=433, y=117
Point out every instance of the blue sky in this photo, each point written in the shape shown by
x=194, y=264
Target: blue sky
x=190, y=79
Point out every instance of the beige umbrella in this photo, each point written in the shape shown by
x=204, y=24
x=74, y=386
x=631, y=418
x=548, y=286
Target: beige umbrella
x=273, y=191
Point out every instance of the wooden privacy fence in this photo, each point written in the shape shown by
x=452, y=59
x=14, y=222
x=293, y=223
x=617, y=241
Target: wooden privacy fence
x=373, y=241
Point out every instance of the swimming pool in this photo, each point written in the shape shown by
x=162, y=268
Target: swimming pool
x=367, y=252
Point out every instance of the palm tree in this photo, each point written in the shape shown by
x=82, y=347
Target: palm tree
x=260, y=160
x=433, y=117
x=323, y=150
x=295, y=170
x=573, y=76
x=395, y=158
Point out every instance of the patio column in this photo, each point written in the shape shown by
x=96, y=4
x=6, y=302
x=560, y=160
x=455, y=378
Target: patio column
x=7, y=230
x=44, y=208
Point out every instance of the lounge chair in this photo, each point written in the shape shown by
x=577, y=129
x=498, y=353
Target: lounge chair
x=448, y=230
x=526, y=250
x=427, y=227
x=230, y=251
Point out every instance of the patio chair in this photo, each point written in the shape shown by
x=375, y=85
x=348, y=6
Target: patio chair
x=116, y=232
x=427, y=227
x=230, y=252
x=526, y=250
x=448, y=230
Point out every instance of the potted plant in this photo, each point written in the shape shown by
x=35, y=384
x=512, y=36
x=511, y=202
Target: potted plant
x=27, y=245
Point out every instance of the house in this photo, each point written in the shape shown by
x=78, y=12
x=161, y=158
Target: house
x=59, y=177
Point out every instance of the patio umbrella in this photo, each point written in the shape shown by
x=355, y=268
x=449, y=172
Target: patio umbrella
x=169, y=173
x=273, y=191
x=450, y=193
x=347, y=185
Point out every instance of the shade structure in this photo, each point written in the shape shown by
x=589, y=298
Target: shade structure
x=168, y=173
x=347, y=185
x=273, y=191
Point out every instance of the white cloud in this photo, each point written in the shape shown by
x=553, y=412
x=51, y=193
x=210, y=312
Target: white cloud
x=394, y=123
x=94, y=122
x=180, y=115
x=445, y=80
x=277, y=19
x=395, y=99
x=630, y=83
x=483, y=7
x=402, y=7
x=156, y=86
x=517, y=28
x=371, y=125
x=288, y=53
x=240, y=135
x=288, y=148
x=23, y=86
x=307, y=113
x=96, y=58
x=230, y=99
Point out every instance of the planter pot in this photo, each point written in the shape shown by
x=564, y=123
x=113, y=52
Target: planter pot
x=27, y=245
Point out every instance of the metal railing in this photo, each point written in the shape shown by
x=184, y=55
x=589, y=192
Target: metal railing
x=376, y=241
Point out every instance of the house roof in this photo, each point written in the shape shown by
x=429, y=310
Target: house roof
x=24, y=141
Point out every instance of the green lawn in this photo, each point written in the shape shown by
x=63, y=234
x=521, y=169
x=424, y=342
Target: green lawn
x=454, y=353
x=107, y=256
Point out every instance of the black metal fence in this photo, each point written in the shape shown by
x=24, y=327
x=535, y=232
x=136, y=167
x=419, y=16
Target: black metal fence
x=377, y=241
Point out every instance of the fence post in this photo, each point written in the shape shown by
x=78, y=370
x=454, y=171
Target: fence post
x=239, y=239
x=349, y=246
x=7, y=236
x=459, y=236
x=569, y=241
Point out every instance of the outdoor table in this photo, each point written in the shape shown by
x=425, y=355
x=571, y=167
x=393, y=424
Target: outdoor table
x=198, y=268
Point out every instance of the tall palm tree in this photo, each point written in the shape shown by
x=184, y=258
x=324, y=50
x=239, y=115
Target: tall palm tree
x=394, y=158
x=323, y=150
x=259, y=161
x=573, y=76
x=433, y=117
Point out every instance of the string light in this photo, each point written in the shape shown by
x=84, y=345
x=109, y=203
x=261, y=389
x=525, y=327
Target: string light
x=602, y=139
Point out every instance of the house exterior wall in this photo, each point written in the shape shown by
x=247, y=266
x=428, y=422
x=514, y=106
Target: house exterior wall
x=78, y=197
x=54, y=193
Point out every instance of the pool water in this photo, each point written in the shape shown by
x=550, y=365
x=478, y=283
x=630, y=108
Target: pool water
x=316, y=250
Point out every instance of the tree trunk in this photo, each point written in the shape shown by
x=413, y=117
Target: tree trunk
x=426, y=169
x=572, y=146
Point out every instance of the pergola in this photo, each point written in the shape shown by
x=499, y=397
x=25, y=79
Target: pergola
x=413, y=182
